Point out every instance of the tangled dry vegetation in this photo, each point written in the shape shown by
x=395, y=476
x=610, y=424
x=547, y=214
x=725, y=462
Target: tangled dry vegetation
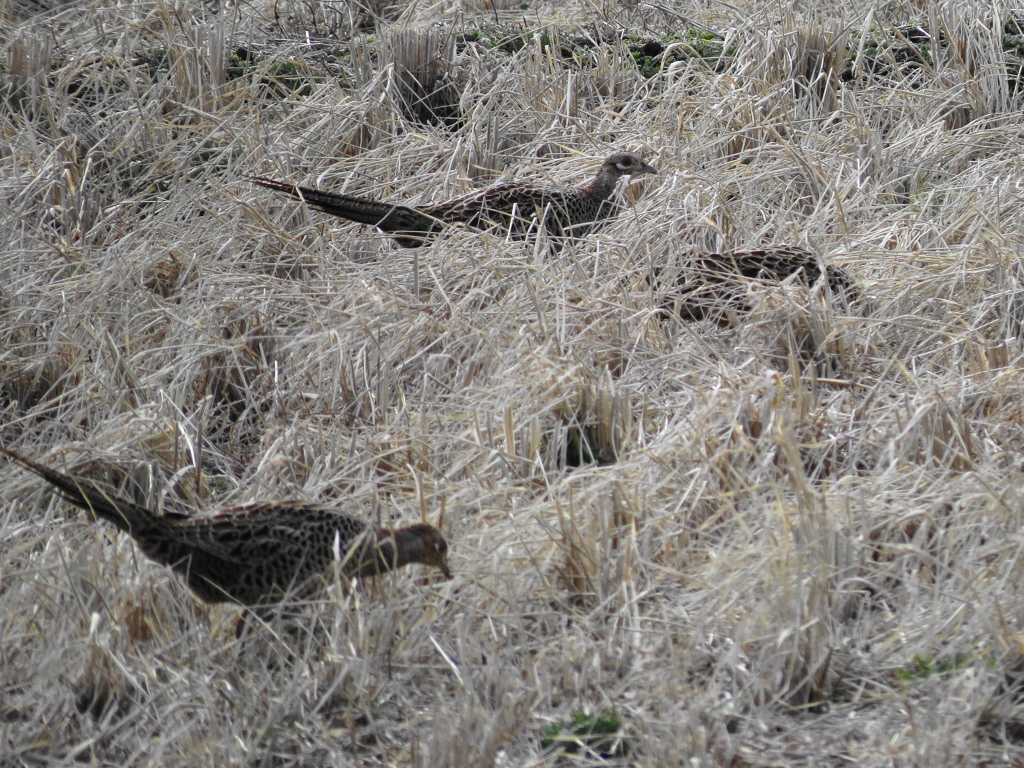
x=794, y=540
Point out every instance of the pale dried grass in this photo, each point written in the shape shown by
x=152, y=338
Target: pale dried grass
x=784, y=513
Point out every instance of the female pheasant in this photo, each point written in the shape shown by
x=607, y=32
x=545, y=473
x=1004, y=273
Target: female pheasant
x=512, y=206
x=712, y=283
x=256, y=555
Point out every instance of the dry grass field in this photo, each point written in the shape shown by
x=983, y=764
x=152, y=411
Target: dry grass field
x=793, y=538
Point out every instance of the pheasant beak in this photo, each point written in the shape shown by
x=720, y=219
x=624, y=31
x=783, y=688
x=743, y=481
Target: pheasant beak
x=647, y=168
x=443, y=565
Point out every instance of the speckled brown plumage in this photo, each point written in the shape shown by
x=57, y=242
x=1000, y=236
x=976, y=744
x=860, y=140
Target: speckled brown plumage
x=515, y=207
x=712, y=283
x=256, y=554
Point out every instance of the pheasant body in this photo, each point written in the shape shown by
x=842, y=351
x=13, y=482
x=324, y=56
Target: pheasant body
x=514, y=207
x=256, y=554
x=713, y=282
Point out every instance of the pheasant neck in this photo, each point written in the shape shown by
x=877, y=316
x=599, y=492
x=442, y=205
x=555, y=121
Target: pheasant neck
x=389, y=552
x=406, y=542
x=600, y=187
x=390, y=560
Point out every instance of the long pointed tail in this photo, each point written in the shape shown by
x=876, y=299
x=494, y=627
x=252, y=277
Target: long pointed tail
x=389, y=217
x=127, y=516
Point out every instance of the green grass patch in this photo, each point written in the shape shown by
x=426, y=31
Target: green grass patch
x=600, y=733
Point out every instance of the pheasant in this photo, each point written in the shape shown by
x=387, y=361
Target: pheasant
x=713, y=282
x=256, y=555
x=514, y=206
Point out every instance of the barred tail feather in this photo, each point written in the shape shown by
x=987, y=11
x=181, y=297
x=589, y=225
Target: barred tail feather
x=392, y=218
x=126, y=516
